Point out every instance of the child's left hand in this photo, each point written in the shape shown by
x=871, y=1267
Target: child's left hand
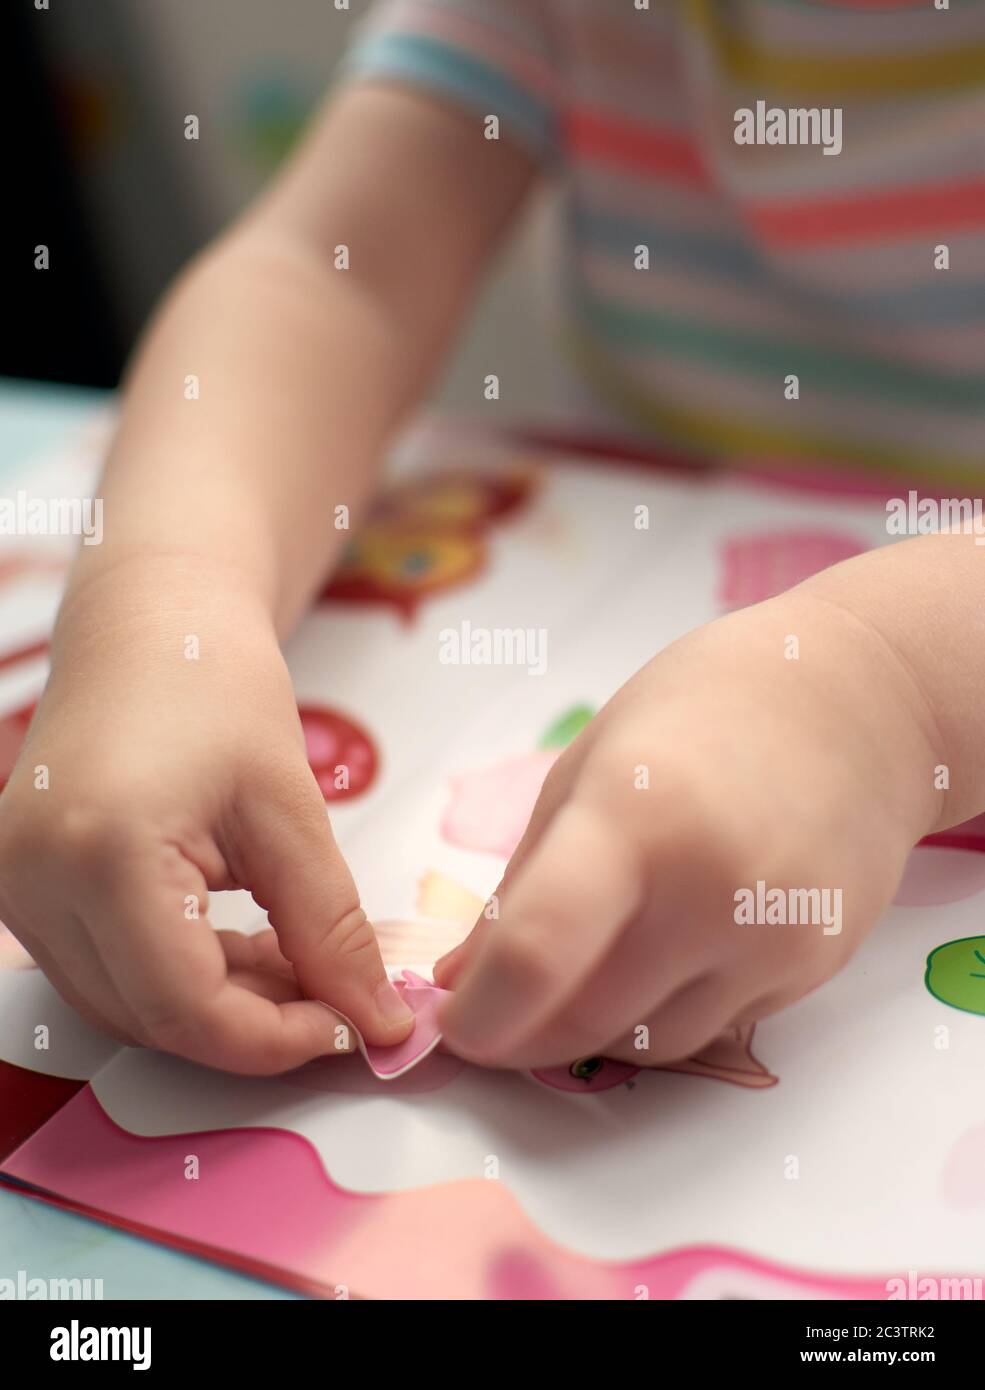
x=723, y=763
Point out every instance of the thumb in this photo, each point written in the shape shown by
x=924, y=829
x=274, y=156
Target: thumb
x=295, y=871
x=449, y=967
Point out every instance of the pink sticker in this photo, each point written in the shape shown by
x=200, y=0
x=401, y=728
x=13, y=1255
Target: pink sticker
x=589, y=1075
x=350, y=1076
x=489, y=810
x=726, y=1058
x=756, y=568
x=424, y=1000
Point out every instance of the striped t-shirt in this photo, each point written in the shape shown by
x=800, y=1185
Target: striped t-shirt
x=775, y=209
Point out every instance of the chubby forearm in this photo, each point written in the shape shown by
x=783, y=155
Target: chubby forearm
x=278, y=367
x=256, y=406
x=911, y=618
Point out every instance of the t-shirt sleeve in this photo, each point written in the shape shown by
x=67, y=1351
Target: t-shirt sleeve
x=492, y=57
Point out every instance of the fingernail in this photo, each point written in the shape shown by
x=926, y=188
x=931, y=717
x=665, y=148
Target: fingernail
x=391, y=1007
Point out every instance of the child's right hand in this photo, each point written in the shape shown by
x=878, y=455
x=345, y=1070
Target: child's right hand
x=168, y=777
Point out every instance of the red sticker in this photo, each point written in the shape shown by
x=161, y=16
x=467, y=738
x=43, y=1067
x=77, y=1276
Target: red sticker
x=340, y=751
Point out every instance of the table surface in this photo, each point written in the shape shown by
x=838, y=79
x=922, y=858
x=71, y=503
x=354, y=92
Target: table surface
x=35, y=1237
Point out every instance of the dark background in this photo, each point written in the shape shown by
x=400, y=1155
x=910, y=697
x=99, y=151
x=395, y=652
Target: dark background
x=95, y=97
x=97, y=93
x=59, y=325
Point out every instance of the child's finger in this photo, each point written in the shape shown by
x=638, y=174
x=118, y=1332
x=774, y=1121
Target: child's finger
x=255, y=962
x=553, y=793
x=689, y=1018
x=298, y=875
x=173, y=975
x=448, y=967
x=79, y=957
x=281, y=989
x=86, y=986
x=558, y=919
x=239, y=1030
x=268, y=955
x=660, y=955
x=257, y=951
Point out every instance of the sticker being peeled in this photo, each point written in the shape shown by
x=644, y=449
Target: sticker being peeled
x=727, y=1058
x=424, y=1000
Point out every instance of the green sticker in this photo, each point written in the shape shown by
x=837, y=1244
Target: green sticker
x=956, y=974
x=570, y=724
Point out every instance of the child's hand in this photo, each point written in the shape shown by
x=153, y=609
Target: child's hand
x=168, y=777
x=721, y=764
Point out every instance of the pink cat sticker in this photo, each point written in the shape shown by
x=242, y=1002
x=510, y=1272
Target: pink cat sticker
x=727, y=1058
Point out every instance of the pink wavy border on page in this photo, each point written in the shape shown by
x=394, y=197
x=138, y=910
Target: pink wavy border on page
x=264, y=1195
